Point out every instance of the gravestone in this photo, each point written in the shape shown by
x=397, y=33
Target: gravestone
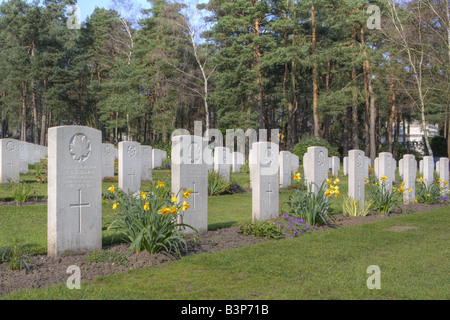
x=36, y=153
x=409, y=172
x=129, y=166
x=385, y=170
x=377, y=167
x=317, y=164
x=437, y=166
x=356, y=170
x=9, y=161
x=428, y=170
x=43, y=152
x=23, y=157
x=345, y=166
x=443, y=176
x=265, y=183
x=238, y=161
x=335, y=166
x=222, y=162
x=421, y=167
x=400, y=167
x=285, y=169
x=189, y=171
x=74, y=190
x=366, y=167
x=157, y=156
x=146, y=163
x=295, y=162
x=107, y=160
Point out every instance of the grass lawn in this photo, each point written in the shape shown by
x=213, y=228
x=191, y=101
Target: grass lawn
x=324, y=265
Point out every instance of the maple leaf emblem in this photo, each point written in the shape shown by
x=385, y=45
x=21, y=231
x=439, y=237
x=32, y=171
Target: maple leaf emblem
x=80, y=147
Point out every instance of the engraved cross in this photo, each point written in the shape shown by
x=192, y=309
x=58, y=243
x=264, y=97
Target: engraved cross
x=80, y=205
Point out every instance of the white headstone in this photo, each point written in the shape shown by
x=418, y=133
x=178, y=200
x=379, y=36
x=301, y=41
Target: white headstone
x=400, y=167
x=23, y=156
x=443, y=175
x=222, y=162
x=74, y=190
x=335, y=166
x=189, y=171
x=238, y=161
x=317, y=163
x=9, y=161
x=421, y=166
x=129, y=166
x=295, y=162
x=377, y=167
x=409, y=172
x=285, y=169
x=265, y=184
x=428, y=170
x=345, y=166
x=146, y=163
x=43, y=152
x=356, y=170
x=107, y=160
x=366, y=167
x=157, y=156
x=385, y=170
x=36, y=153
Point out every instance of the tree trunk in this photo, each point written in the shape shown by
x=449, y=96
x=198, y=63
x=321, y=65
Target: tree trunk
x=392, y=100
x=355, y=140
x=314, y=77
x=23, y=113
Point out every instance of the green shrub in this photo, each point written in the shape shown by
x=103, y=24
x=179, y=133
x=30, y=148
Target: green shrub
x=307, y=141
x=383, y=198
x=428, y=194
x=16, y=255
x=21, y=192
x=353, y=208
x=262, y=229
x=312, y=208
x=150, y=221
x=108, y=256
x=217, y=185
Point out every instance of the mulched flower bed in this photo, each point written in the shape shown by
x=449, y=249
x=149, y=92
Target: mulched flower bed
x=45, y=271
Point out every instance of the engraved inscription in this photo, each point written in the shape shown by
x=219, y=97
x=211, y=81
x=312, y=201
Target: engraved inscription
x=79, y=177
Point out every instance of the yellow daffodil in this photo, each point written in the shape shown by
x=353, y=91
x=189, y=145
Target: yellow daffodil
x=428, y=195
x=160, y=185
x=174, y=199
x=383, y=178
x=403, y=184
x=146, y=206
x=336, y=181
x=143, y=195
x=187, y=194
x=442, y=188
x=173, y=210
x=164, y=211
x=185, y=206
x=115, y=206
x=445, y=182
x=421, y=179
x=366, y=180
x=328, y=193
x=415, y=200
x=337, y=194
x=111, y=189
x=296, y=176
x=401, y=190
x=409, y=190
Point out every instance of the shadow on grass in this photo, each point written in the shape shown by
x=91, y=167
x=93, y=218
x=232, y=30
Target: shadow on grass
x=221, y=225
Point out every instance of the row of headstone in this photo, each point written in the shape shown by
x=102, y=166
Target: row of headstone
x=15, y=156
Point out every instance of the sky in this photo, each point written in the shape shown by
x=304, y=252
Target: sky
x=87, y=6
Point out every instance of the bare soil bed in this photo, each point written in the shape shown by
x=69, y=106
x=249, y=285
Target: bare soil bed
x=45, y=271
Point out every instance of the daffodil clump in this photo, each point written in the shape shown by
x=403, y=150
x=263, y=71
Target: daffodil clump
x=313, y=207
x=383, y=197
x=152, y=220
x=429, y=193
